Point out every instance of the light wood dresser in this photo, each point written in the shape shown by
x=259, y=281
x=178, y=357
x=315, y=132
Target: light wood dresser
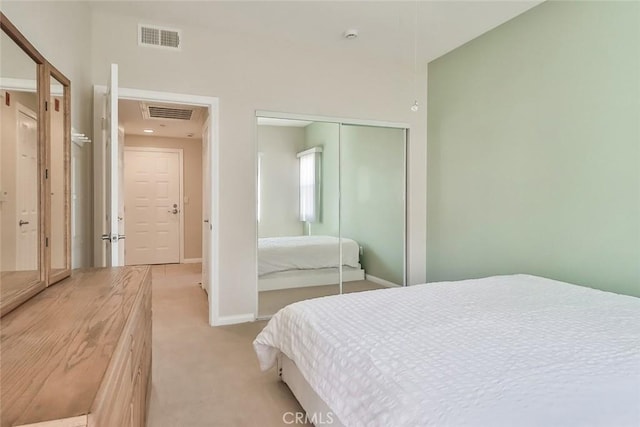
x=79, y=353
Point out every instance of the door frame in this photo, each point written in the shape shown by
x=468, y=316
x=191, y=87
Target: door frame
x=180, y=152
x=212, y=105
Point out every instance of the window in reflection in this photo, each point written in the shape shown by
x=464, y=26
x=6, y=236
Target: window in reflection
x=19, y=171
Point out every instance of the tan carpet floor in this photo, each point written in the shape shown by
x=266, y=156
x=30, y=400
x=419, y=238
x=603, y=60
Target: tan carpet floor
x=204, y=376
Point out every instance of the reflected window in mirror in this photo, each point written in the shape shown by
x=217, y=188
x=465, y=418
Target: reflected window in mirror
x=310, y=184
x=20, y=157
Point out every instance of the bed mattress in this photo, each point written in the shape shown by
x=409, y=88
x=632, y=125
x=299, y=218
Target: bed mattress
x=500, y=351
x=305, y=252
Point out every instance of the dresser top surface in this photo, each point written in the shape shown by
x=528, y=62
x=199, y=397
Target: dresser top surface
x=56, y=347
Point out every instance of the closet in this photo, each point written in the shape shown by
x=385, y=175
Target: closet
x=331, y=207
x=35, y=141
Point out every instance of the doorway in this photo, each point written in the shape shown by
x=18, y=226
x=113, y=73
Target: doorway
x=162, y=182
x=109, y=179
x=153, y=205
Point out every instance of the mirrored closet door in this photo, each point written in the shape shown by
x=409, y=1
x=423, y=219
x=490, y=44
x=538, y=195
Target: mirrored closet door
x=59, y=179
x=298, y=212
x=372, y=204
x=21, y=255
x=331, y=209
x=35, y=140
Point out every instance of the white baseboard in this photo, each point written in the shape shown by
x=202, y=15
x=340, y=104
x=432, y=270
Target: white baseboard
x=191, y=260
x=308, y=278
x=381, y=282
x=235, y=319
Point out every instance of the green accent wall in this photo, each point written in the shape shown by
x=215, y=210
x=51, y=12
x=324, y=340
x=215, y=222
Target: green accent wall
x=372, y=192
x=534, y=149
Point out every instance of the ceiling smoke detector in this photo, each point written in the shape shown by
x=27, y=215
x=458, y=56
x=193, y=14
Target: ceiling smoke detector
x=351, y=34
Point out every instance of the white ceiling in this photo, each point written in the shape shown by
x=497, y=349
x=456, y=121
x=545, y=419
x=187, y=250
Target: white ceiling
x=131, y=119
x=386, y=28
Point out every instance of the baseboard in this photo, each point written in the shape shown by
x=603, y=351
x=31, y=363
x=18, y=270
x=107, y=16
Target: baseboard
x=380, y=281
x=191, y=260
x=308, y=278
x=233, y=320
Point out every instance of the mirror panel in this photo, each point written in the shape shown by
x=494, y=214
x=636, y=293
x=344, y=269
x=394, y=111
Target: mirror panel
x=298, y=221
x=58, y=180
x=372, y=205
x=20, y=157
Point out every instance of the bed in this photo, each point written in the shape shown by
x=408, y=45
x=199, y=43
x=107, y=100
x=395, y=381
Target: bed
x=298, y=261
x=500, y=351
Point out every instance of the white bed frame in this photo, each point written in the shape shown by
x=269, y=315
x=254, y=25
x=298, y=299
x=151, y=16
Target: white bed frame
x=318, y=412
x=304, y=278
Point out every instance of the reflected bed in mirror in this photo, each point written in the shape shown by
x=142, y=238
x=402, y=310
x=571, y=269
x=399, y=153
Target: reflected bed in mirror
x=19, y=175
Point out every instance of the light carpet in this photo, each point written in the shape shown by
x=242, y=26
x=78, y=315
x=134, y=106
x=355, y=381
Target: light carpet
x=204, y=376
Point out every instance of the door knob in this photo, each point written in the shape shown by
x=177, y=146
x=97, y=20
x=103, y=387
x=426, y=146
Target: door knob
x=21, y=223
x=174, y=211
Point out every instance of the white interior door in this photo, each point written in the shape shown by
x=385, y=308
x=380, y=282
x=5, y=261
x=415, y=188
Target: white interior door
x=27, y=192
x=206, y=207
x=153, y=208
x=112, y=236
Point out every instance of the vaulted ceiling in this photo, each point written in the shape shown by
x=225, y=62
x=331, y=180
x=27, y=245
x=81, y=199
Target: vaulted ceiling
x=386, y=28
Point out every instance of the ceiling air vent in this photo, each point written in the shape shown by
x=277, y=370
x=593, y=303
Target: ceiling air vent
x=150, y=35
x=167, y=112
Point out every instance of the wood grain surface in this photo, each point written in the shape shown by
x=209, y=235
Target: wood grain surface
x=56, y=348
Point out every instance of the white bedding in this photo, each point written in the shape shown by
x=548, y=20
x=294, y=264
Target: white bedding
x=502, y=351
x=305, y=252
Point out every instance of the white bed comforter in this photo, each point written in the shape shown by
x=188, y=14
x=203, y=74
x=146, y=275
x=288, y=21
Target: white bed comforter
x=305, y=252
x=502, y=351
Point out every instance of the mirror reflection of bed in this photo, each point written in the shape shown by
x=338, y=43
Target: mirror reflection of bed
x=330, y=210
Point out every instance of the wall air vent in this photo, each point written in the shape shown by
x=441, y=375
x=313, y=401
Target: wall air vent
x=172, y=112
x=150, y=35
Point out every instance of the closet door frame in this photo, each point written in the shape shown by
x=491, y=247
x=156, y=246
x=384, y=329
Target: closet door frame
x=340, y=121
x=45, y=71
x=53, y=73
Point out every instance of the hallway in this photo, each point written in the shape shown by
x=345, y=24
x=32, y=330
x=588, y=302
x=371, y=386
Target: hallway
x=204, y=376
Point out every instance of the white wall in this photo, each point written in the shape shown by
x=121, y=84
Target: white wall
x=280, y=180
x=247, y=73
x=257, y=73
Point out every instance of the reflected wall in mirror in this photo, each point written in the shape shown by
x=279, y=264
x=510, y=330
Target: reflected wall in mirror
x=298, y=233
x=372, y=207
x=20, y=259
x=58, y=179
